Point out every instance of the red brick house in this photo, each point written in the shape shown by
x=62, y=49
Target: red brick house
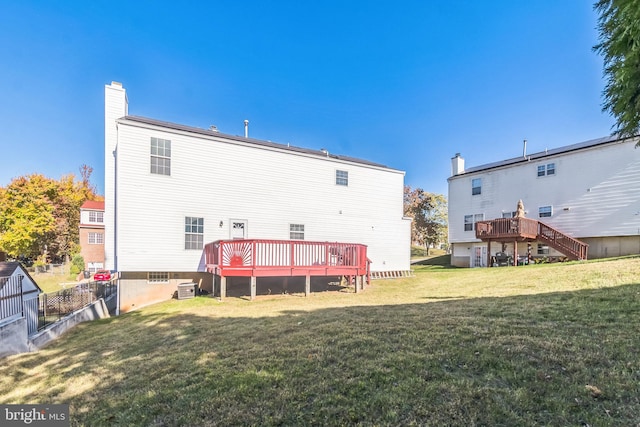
x=92, y=235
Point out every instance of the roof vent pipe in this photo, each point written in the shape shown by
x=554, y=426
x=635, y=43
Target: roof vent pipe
x=246, y=128
x=524, y=149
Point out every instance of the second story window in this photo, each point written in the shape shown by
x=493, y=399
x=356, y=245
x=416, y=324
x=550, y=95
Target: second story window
x=476, y=186
x=545, y=211
x=160, y=156
x=342, y=178
x=96, y=216
x=546, y=170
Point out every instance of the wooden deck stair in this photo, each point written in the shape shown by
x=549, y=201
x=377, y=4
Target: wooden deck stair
x=527, y=230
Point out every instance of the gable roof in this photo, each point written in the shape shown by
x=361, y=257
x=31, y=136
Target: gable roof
x=547, y=153
x=8, y=268
x=93, y=205
x=252, y=141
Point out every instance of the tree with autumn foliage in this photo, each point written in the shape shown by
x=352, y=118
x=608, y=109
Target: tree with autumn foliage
x=429, y=213
x=39, y=213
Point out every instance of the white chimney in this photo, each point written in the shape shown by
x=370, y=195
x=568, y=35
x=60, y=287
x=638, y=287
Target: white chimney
x=524, y=148
x=246, y=128
x=457, y=165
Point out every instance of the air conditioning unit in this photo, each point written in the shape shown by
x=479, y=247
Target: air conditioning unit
x=186, y=290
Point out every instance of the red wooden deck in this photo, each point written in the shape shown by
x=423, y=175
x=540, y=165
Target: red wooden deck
x=284, y=258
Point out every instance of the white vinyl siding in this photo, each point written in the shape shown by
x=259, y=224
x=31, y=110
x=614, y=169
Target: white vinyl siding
x=218, y=180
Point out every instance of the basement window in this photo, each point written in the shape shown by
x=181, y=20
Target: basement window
x=158, y=277
x=543, y=249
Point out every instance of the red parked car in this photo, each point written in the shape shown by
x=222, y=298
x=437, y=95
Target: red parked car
x=102, y=276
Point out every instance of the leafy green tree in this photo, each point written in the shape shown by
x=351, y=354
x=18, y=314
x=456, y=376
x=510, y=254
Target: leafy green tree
x=619, y=35
x=39, y=214
x=26, y=215
x=429, y=213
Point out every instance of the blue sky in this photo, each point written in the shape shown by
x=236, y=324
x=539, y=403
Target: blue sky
x=406, y=83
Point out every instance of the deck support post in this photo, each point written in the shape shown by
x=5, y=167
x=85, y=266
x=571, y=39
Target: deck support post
x=515, y=253
x=253, y=288
x=357, y=283
x=307, y=285
x=223, y=287
x=489, y=253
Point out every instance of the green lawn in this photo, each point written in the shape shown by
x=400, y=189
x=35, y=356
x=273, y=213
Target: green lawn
x=551, y=344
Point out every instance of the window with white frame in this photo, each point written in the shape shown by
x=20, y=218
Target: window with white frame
x=546, y=170
x=476, y=186
x=508, y=214
x=296, y=231
x=96, y=238
x=158, y=277
x=470, y=221
x=543, y=249
x=193, y=232
x=545, y=211
x=96, y=216
x=342, y=178
x=160, y=156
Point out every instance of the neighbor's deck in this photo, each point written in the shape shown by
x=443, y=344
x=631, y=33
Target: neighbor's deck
x=285, y=258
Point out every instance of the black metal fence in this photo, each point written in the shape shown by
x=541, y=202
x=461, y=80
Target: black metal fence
x=55, y=305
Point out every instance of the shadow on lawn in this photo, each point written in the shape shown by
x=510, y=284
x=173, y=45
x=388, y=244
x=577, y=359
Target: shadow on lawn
x=520, y=360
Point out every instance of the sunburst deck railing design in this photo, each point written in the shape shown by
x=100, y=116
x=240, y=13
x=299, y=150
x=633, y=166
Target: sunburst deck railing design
x=270, y=258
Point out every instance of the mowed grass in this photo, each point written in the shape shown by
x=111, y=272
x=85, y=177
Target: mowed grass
x=554, y=344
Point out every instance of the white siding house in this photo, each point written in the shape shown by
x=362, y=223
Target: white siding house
x=589, y=191
x=170, y=188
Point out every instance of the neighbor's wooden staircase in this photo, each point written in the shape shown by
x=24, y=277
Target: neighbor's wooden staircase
x=573, y=248
x=527, y=229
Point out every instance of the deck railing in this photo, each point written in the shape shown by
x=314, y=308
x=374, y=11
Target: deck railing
x=563, y=243
x=531, y=229
x=226, y=256
x=507, y=228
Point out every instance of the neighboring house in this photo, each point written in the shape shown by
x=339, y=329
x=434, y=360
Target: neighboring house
x=92, y=235
x=170, y=189
x=18, y=308
x=589, y=191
